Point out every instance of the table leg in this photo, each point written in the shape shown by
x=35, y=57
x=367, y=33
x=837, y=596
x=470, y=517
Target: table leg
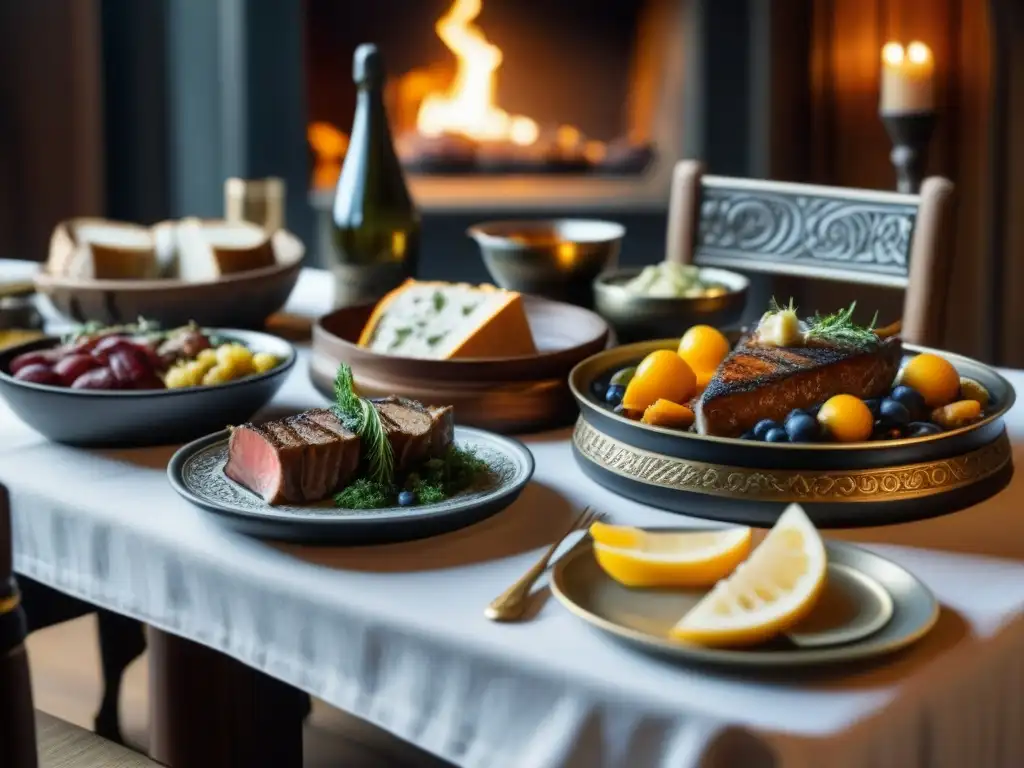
x=210, y=711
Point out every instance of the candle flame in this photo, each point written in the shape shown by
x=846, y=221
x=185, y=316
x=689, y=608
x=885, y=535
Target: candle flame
x=469, y=108
x=892, y=53
x=918, y=52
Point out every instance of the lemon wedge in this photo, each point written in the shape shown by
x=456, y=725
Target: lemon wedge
x=766, y=595
x=638, y=558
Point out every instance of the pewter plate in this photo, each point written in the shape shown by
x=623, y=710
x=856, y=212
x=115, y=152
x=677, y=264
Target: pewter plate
x=840, y=485
x=870, y=607
x=196, y=472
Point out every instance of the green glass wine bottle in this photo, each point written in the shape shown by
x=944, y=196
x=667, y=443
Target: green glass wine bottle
x=376, y=233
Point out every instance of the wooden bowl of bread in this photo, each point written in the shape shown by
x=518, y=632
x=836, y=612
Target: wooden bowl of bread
x=211, y=272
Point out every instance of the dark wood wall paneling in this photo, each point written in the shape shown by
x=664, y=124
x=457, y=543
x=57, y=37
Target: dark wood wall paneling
x=51, y=122
x=1006, y=187
x=849, y=147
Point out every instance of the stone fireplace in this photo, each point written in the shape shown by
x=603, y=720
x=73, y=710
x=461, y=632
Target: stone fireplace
x=499, y=105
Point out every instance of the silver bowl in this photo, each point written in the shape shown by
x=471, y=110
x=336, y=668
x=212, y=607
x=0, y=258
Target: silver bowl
x=635, y=317
x=556, y=258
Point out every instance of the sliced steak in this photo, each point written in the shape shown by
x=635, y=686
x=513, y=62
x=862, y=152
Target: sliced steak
x=416, y=433
x=298, y=459
x=762, y=382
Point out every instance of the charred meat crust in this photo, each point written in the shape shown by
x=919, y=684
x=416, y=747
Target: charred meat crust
x=312, y=455
x=416, y=432
x=315, y=456
x=756, y=382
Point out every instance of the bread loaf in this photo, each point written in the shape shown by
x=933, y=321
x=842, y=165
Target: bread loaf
x=97, y=249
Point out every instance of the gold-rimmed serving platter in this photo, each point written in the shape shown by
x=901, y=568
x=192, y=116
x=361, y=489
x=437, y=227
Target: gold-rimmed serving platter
x=870, y=607
x=748, y=482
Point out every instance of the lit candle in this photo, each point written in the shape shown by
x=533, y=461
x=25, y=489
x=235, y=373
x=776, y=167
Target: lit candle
x=907, y=79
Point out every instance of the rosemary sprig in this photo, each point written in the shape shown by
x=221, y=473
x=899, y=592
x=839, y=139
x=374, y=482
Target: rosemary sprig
x=840, y=328
x=358, y=414
x=774, y=307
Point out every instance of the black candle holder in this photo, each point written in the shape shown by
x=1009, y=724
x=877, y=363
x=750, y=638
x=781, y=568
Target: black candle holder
x=910, y=133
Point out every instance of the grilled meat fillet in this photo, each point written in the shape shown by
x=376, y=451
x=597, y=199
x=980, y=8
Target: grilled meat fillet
x=765, y=382
x=417, y=433
x=311, y=456
x=298, y=459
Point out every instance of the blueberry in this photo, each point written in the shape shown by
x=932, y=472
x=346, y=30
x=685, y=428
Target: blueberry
x=813, y=410
x=748, y=435
x=623, y=377
x=911, y=399
x=776, y=435
x=922, y=428
x=894, y=412
x=614, y=394
x=406, y=499
x=597, y=388
x=875, y=406
x=763, y=427
x=802, y=428
x=794, y=413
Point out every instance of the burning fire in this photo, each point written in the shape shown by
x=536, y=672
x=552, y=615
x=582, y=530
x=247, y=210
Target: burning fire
x=469, y=108
x=329, y=145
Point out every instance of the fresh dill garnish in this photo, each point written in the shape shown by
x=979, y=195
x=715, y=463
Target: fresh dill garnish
x=364, y=493
x=436, y=480
x=840, y=328
x=358, y=414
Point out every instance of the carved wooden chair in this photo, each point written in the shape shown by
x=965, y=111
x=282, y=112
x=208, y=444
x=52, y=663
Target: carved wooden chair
x=29, y=738
x=850, y=235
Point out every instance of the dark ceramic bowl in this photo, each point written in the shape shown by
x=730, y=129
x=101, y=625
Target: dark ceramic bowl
x=635, y=317
x=131, y=419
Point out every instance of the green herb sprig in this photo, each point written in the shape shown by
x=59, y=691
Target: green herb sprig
x=358, y=414
x=436, y=480
x=840, y=328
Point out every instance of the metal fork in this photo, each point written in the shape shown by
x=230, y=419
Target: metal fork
x=511, y=604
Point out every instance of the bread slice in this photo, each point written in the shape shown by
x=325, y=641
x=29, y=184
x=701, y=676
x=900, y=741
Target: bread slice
x=447, y=321
x=165, y=240
x=98, y=249
x=208, y=250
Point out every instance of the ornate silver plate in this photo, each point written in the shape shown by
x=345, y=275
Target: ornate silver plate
x=196, y=472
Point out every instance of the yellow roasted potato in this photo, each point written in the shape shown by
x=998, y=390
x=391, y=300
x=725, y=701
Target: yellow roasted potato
x=264, y=361
x=219, y=374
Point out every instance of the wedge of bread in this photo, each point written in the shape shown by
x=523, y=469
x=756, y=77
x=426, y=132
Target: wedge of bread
x=98, y=249
x=208, y=250
x=165, y=240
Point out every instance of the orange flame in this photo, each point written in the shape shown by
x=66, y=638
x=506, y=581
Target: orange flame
x=469, y=108
x=329, y=145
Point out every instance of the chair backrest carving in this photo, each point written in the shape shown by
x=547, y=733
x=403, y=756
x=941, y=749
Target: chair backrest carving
x=849, y=235
x=801, y=229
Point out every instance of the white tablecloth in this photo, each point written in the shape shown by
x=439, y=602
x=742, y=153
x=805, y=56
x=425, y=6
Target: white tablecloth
x=395, y=634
